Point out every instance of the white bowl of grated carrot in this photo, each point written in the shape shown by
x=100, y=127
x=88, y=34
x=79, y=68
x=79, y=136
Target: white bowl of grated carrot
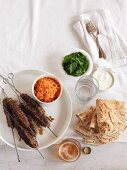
x=47, y=89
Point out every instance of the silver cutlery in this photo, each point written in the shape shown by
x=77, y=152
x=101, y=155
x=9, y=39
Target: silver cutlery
x=94, y=32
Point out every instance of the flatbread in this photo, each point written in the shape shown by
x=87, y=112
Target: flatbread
x=87, y=135
x=107, y=119
x=93, y=141
x=102, y=124
x=85, y=117
x=93, y=124
x=105, y=139
x=83, y=130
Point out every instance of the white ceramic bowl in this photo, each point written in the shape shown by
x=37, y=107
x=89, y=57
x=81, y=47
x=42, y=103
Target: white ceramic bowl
x=90, y=68
x=50, y=76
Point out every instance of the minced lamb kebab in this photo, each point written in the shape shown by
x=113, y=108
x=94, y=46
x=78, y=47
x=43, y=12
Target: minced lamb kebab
x=35, y=110
x=7, y=113
x=10, y=122
x=18, y=113
x=24, y=132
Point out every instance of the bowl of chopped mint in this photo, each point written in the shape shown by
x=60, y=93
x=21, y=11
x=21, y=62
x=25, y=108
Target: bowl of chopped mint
x=77, y=63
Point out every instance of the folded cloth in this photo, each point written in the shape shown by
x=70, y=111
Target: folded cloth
x=109, y=39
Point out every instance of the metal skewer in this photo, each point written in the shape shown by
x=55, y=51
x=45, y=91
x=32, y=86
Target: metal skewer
x=20, y=101
x=19, y=125
x=5, y=95
x=15, y=144
x=12, y=86
x=40, y=153
x=11, y=76
x=11, y=128
x=52, y=131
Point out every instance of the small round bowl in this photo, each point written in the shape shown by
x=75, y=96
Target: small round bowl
x=89, y=70
x=50, y=76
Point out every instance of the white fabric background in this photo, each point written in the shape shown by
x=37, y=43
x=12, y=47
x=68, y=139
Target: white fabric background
x=36, y=34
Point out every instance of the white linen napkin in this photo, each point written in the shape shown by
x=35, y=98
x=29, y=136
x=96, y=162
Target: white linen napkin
x=109, y=39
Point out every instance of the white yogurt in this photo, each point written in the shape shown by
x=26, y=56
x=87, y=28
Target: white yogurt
x=104, y=78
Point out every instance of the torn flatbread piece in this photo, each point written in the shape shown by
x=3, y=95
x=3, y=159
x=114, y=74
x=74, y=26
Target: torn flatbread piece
x=85, y=117
x=107, y=116
x=87, y=135
x=93, y=123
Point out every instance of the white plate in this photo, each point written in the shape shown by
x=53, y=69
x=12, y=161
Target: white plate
x=61, y=110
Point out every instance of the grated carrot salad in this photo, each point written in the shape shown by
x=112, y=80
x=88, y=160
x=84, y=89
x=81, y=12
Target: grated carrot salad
x=47, y=89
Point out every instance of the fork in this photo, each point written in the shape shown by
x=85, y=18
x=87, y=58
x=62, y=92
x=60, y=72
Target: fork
x=94, y=32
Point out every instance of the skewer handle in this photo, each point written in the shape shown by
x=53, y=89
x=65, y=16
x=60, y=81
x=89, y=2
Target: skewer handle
x=15, y=144
x=11, y=77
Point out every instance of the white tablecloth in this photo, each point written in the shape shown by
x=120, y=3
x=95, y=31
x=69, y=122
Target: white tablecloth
x=36, y=34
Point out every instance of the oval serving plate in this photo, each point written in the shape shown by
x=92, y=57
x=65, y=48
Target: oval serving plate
x=61, y=110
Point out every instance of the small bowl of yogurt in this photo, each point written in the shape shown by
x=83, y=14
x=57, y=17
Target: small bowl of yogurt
x=105, y=78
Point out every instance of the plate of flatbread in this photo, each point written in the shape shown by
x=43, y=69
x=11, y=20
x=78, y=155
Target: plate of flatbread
x=104, y=123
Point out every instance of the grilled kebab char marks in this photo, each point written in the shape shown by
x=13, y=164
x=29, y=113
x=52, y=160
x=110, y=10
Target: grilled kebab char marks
x=35, y=124
x=10, y=122
x=18, y=113
x=28, y=117
x=27, y=136
x=25, y=133
x=6, y=109
x=35, y=110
